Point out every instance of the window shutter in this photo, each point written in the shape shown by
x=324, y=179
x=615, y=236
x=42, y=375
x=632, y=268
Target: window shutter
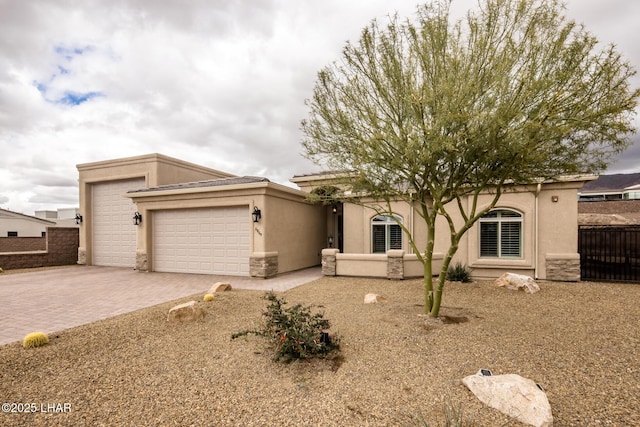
x=489, y=239
x=379, y=243
x=510, y=239
x=395, y=236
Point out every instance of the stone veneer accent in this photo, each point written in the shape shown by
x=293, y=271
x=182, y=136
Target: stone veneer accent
x=395, y=264
x=141, y=261
x=82, y=256
x=329, y=261
x=563, y=267
x=263, y=264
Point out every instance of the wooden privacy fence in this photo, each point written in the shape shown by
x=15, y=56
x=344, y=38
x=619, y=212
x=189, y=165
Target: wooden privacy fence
x=609, y=253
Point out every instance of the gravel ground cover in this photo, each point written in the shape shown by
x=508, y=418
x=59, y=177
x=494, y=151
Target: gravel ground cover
x=578, y=340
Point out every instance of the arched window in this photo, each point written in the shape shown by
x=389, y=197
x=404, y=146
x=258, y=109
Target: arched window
x=385, y=233
x=501, y=234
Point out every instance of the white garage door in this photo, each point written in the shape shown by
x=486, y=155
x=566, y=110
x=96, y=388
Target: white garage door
x=114, y=235
x=204, y=241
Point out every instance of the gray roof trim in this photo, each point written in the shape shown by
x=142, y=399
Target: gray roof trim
x=238, y=180
x=12, y=214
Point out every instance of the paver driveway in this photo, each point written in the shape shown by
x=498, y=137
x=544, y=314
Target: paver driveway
x=58, y=299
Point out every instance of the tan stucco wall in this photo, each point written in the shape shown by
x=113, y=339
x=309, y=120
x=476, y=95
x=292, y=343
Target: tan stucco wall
x=293, y=228
x=155, y=169
x=357, y=227
x=555, y=223
x=289, y=226
x=550, y=231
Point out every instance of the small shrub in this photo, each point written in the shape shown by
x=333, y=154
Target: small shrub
x=294, y=332
x=208, y=297
x=459, y=273
x=35, y=339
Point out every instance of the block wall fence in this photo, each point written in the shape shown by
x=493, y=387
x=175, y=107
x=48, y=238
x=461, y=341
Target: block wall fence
x=60, y=248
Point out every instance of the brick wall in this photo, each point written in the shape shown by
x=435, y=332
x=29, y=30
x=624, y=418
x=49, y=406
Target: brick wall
x=61, y=249
x=22, y=244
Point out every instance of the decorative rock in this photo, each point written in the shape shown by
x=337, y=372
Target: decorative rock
x=219, y=287
x=517, y=282
x=374, y=298
x=513, y=395
x=186, y=312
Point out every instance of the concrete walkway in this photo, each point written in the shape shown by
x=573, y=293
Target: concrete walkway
x=58, y=299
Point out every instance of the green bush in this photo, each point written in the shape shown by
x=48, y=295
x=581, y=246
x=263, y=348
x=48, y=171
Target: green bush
x=458, y=273
x=294, y=332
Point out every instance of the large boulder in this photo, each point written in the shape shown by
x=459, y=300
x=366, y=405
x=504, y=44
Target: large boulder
x=513, y=395
x=186, y=312
x=517, y=282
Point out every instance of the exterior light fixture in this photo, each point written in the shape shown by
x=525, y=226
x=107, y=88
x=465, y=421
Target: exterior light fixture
x=334, y=209
x=256, y=214
x=330, y=239
x=137, y=218
x=78, y=219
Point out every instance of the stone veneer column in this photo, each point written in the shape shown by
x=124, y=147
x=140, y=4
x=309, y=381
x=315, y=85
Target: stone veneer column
x=395, y=264
x=141, y=261
x=263, y=264
x=82, y=256
x=563, y=267
x=329, y=261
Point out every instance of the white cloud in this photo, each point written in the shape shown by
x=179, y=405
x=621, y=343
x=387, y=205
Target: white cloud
x=213, y=82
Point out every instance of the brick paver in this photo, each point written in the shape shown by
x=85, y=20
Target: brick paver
x=59, y=299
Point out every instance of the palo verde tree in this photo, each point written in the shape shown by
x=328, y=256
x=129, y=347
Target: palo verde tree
x=436, y=112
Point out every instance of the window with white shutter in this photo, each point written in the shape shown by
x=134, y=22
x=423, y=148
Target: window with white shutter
x=501, y=234
x=386, y=234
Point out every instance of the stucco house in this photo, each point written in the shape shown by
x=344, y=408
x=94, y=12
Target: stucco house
x=14, y=224
x=621, y=186
x=157, y=213
x=533, y=230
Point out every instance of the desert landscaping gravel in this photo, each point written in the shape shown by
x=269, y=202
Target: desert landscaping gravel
x=579, y=341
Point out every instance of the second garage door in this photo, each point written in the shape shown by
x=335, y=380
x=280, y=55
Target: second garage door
x=114, y=235
x=203, y=241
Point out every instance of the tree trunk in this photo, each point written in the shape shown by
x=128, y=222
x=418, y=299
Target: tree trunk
x=442, y=277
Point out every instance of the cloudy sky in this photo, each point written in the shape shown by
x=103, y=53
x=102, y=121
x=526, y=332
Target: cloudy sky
x=221, y=83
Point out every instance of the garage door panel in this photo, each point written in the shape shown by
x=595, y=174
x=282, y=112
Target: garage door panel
x=113, y=232
x=205, y=241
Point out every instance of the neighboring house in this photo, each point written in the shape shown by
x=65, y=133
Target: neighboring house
x=65, y=217
x=14, y=224
x=156, y=213
x=610, y=200
x=611, y=187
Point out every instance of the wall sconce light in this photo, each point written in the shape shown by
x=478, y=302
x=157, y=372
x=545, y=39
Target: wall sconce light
x=137, y=218
x=334, y=209
x=554, y=199
x=256, y=214
x=78, y=219
x=330, y=241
